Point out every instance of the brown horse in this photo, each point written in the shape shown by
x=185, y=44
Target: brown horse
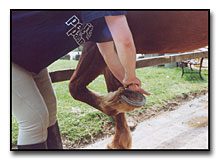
x=153, y=32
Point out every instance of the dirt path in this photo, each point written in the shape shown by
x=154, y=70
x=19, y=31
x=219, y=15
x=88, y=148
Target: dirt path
x=183, y=128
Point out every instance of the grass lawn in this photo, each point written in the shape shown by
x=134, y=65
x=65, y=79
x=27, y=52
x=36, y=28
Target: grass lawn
x=80, y=122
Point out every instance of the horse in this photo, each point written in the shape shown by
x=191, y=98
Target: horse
x=154, y=32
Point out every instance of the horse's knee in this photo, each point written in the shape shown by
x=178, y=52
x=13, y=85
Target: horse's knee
x=74, y=90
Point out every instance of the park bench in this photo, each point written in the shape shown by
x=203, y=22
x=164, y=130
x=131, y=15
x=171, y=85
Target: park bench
x=192, y=62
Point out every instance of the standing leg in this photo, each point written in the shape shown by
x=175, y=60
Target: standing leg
x=29, y=109
x=44, y=85
x=122, y=138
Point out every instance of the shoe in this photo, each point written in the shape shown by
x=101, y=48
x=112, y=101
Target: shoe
x=53, y=138
x=40, y=146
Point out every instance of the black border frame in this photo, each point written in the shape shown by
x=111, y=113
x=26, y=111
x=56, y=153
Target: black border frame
x=195, y=151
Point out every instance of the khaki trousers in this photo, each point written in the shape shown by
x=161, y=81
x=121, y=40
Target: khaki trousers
x=33, y=104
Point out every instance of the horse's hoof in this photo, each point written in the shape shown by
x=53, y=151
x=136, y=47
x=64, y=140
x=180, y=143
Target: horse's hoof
x=112, y=146
x=121, y=101
x=109, y=146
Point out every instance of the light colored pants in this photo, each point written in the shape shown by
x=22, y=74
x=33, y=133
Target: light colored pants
x=33, y=104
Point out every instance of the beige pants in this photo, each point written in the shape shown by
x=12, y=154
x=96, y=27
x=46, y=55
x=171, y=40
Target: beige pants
x=33, y=104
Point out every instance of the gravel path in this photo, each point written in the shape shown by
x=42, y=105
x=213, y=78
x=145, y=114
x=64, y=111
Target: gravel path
x=183, y=128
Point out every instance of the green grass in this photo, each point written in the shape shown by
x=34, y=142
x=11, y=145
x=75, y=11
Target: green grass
x=62, y=64
x=79, y=121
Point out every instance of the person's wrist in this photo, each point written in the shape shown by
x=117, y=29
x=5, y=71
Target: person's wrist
x=131, y=85
x=131, y=81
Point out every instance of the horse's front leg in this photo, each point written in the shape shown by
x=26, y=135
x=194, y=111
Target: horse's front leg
x=90, y=66
x=122, y=138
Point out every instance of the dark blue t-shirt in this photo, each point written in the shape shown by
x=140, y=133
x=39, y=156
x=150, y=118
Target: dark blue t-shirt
x=89, y=16
x=38, y=38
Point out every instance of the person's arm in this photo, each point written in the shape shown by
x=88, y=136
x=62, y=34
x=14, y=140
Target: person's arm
x=125, y=46
x=122, y=65
x=111, y=59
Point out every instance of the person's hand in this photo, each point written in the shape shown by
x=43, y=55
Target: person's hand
x=136, y=88
x=128, y=81
x=134, y=85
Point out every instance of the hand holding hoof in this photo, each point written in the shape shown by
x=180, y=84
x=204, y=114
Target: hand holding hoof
x=120, y=101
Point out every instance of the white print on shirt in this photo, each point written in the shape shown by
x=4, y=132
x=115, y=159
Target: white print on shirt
x=80, y=33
